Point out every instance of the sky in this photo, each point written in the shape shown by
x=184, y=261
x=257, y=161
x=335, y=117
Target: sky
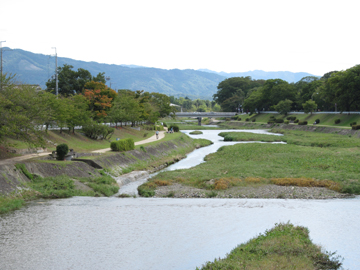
x=315, y=36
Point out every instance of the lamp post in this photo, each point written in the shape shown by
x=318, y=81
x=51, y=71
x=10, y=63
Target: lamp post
x=56, y=74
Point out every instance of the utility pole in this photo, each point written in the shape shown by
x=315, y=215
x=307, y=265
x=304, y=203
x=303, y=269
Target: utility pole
x=56, y=74
x=1, y=78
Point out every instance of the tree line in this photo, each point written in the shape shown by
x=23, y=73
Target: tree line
x=336, y=90
x=198, y=105
x=82, y=101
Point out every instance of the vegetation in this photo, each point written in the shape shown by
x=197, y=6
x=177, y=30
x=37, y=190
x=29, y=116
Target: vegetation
x=123, y=145
x=307, y=157
x=196, y=132
x=61, y=151
x=283, y=247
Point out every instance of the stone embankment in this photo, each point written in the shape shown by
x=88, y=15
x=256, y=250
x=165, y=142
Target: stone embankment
x=12, y=179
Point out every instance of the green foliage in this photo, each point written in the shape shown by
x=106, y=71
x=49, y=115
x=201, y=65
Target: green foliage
x=291, y=118
x=280, y=120
x=283, y=247
x=247, y=119
x=317, y=121
x=337, y=121
x=355, y=127
x=196, y=132
x=97, y=131
x=352, y=124
x=302, y=123
x=54, y=187
x=10, y=203
x=22, y=167
x=61, y=151
x=284, y=106
x=286, y=122
x=123, y=145
x=309, y=106
x=174, y=127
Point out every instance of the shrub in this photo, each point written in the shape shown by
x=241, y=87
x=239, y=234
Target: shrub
x=175, y=128
x=296, y=121
x=356, y=127
x=286, y=121
x=123, y=145
x=352, y=123
x=61, y=151
x=291, y=118
x=279, y=120
x=247, y=119
x=97, y=131
x=302, y=123
x=272, y=117
x=253, y=120
x=317, y=121
x=337, y=121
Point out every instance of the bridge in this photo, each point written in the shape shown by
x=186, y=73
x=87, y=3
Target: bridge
x=200, y=115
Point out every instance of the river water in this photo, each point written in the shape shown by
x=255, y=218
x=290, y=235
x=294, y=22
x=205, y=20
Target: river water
x=163, y=233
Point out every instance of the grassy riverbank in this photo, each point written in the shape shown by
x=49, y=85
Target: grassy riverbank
x=308, y=160
x=283, y=247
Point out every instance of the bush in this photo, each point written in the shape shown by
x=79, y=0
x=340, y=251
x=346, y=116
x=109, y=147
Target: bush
x=296, y=121
x=337, y=121
x=247, y=119
x=317, y=121
x=279, y=120
x=302, y=123
x=61, y=151
x=174, y=127
x=352, y=123
x=291, y=118
x=356, y=127
x=272, y=117
x=253, y=120
x=286, y=121
x=123, y=145
x=97, y=131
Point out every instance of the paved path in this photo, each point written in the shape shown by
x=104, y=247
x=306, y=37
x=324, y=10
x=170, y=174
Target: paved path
x=24, y=157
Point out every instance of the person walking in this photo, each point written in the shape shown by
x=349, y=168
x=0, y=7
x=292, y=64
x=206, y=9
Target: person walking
x=157, y=134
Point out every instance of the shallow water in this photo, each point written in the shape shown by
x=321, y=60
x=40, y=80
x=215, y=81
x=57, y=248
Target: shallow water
x=113, y=233
x=164, y=233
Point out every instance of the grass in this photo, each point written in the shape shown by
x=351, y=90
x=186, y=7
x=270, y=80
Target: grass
x=283, y=247
x=81, y=143
x=10, y=203
x=330, y=160
x=325, y=119
x=196, y=132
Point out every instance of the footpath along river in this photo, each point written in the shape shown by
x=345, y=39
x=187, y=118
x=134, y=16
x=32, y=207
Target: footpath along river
x=163, y=233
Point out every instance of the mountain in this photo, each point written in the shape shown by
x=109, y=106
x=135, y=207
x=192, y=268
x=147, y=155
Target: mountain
x=32, y=68
x=265, y=75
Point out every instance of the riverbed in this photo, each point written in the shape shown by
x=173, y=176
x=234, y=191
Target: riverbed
x=164, y=233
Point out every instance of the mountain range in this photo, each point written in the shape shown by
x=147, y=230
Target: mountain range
x=32, y=68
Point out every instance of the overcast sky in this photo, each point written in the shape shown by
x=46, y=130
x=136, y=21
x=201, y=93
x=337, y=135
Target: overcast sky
x=315, y=36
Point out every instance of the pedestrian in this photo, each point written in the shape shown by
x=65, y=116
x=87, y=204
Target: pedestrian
x=157, y=134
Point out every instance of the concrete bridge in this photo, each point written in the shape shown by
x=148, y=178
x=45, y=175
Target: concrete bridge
x=200, y=115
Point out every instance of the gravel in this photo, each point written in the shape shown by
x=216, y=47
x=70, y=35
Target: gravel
x=264, y=192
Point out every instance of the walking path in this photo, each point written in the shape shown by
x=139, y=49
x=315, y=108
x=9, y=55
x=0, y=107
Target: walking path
x=24, y=157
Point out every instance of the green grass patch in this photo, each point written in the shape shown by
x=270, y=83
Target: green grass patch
x=283, y=247
x=196, y=132
x=10, y=203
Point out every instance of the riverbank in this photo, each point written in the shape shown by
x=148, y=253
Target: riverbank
x=250, y=192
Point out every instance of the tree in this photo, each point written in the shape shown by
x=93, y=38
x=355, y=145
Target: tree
x=233, y=91
x=99, y=98
x=284, y=106
x=309, y=106
x=72, y=82
x=343, y=88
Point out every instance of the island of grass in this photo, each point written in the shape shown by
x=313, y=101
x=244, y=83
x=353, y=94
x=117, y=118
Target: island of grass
x=283, y=247
x=310, y=166
x=196, y=132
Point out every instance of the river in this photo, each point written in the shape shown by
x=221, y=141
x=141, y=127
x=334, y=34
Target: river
x=164, y=233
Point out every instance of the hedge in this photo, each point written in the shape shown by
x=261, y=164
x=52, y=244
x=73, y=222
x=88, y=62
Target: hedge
x=123, y=145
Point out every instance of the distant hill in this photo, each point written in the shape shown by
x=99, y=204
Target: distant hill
x=265, y=75
x=32, y=68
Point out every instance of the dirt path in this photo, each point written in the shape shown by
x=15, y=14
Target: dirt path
x=29, y=156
